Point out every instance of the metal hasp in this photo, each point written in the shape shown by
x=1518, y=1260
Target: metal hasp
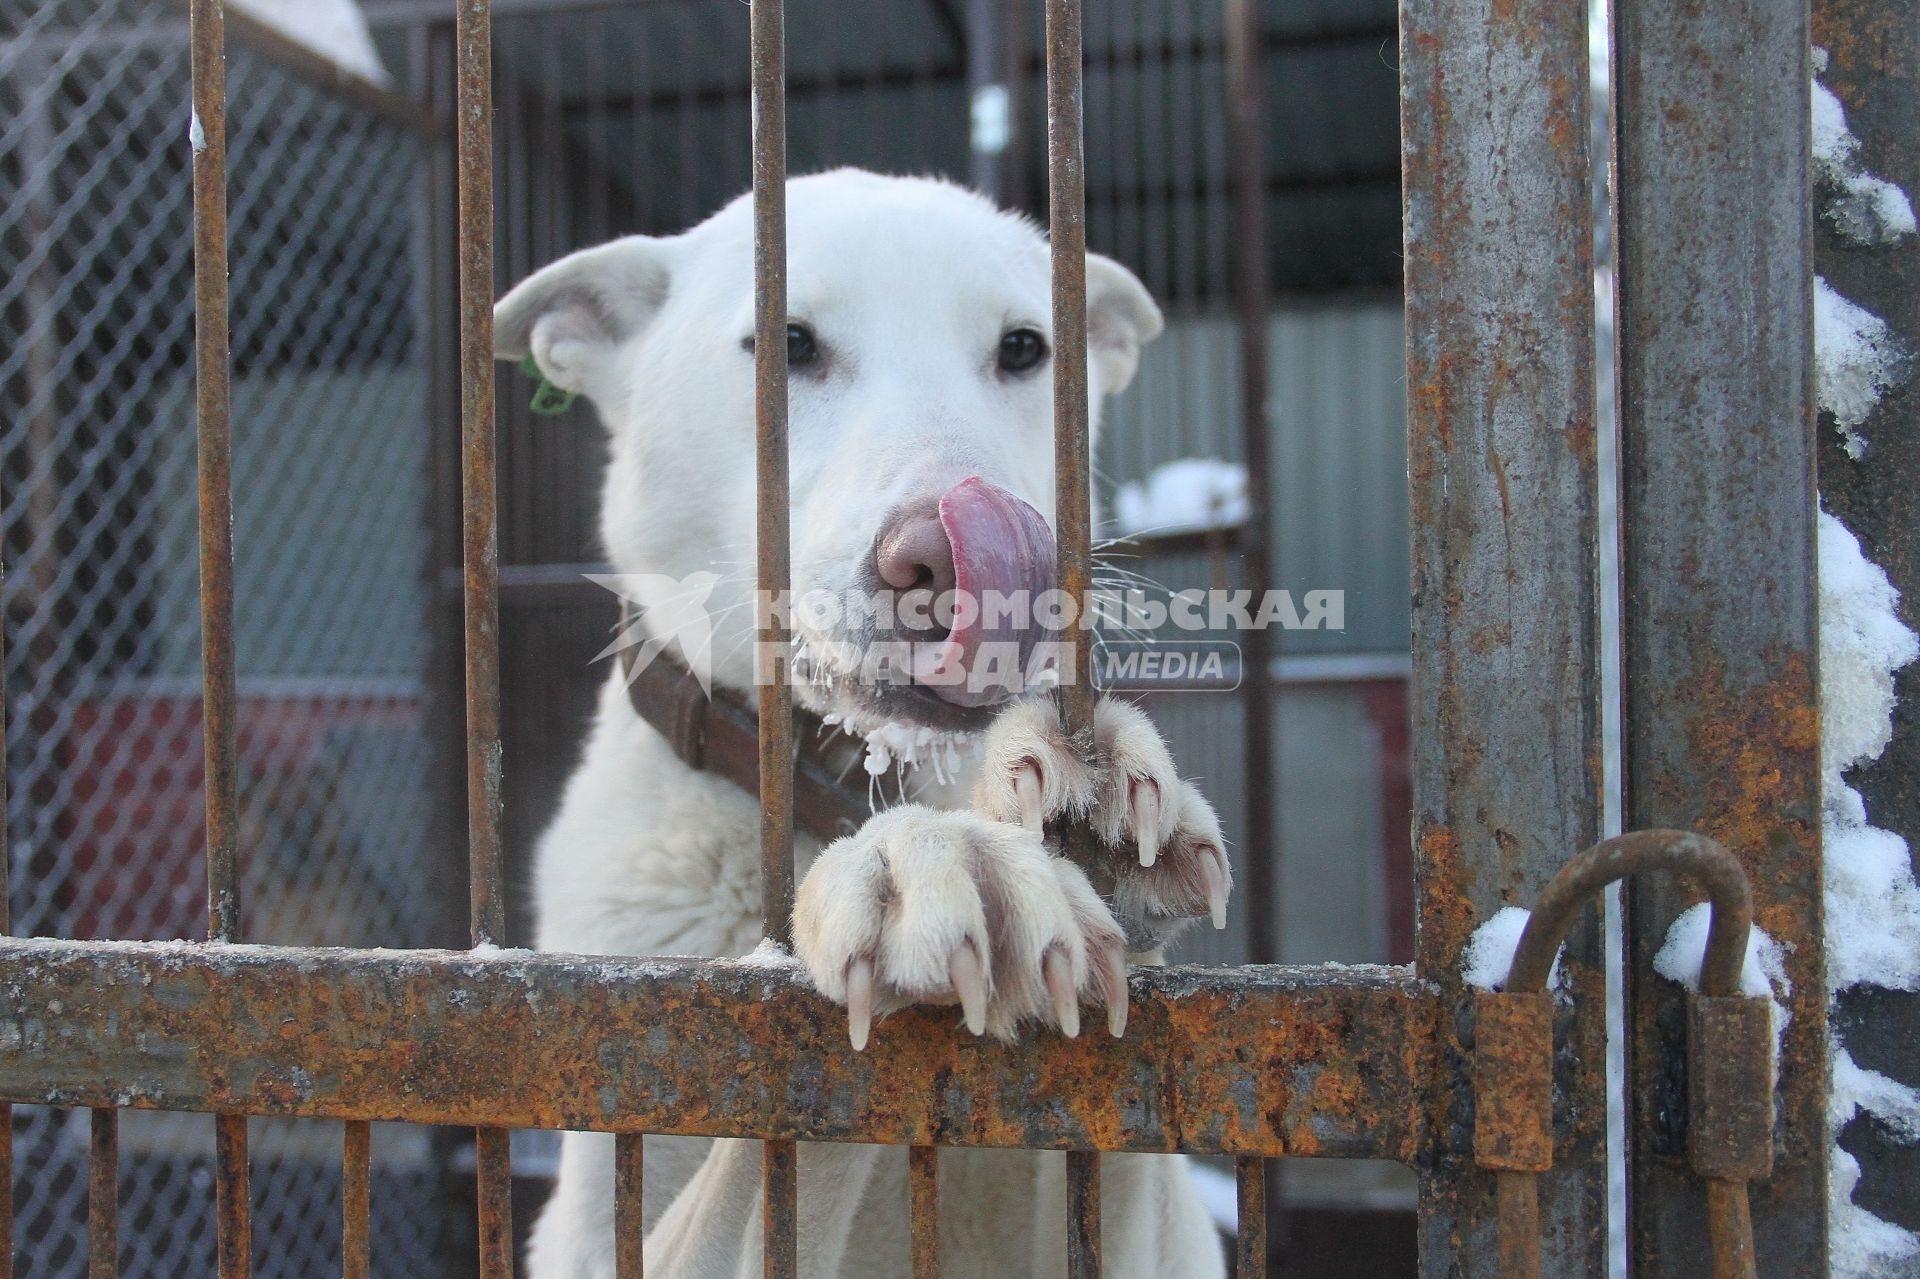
x=1721, y=730
x=1505, y=692
x=1729, y=1050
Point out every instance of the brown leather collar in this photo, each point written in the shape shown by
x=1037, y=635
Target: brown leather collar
x=720, y=734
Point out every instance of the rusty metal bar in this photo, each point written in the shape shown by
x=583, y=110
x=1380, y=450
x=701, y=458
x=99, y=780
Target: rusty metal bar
x=767, y=33
x=546, y=1041
x=494, y=1181
x=1873, y=64
x=629, y=1217
x=356, y=1199
x=6, y=926
x=103, y=1195
x=1067, y=229
x=1246, y=141
x=780, y=1178
x=1505, y=691
x=1721, y=722
x=1083, y=1214
x=1250, y=1193
x=923, y=1210
x=480, y=559
x=774, y=634
x=213, y=407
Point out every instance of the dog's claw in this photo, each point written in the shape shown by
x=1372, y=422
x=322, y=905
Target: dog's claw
x=1027, y=788
x=970, y=983
x=1145, y=794
x=859, y=1000
x=1216, y=888
x=1113, y=984
x=1058, y=971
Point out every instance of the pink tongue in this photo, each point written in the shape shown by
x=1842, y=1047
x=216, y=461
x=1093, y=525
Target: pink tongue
x=1004, y=561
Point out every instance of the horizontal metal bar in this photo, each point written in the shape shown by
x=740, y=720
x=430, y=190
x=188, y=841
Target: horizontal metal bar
x=1259, y=1061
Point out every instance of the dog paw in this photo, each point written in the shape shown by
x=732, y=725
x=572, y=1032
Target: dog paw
x=927, y=907
x=1167, y=859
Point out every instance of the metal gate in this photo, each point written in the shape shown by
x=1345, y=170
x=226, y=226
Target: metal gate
x=1493, y=1098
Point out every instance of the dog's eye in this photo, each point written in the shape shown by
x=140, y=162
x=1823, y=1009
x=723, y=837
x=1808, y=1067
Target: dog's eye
x=1020, y=350
x=800, y=346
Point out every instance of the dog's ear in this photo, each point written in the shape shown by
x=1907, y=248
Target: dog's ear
x=573, y=314
x=1121, y=318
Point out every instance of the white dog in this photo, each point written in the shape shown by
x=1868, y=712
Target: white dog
x=919, y=347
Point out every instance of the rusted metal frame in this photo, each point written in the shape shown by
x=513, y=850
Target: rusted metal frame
x=103, y=1195
x=1873, y=67
x=1505, y=688
x=356, y=1168
x=711, y=1048
x=1073, y=493
x=1721, y=723
x=1728, y=1049
x=480, y=558
x=6, y=926
x=923, y=1210
x=213, y=401
x=1083, y=1214
x=629, y=1216
x=773, y=564
x=1250, y=1197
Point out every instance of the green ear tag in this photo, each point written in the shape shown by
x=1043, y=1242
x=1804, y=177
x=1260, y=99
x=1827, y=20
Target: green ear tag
x=548, y=399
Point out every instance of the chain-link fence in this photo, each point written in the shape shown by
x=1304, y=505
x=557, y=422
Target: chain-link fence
x=330, y=476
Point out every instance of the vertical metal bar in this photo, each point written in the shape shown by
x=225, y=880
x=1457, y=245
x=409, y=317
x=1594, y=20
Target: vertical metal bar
x=1072, y=498
x=219, y=697
x=780, y=1177
x=770, y=423
x=356, y=1199
x=480, y=544
x=1083, y=1214
x=987, y=84
x=1721, y=724
x=103, y=1196
x=629, y=1218
x=1504, y=488
x=1250, y=1245
x=923, y=1209
x=1247, y=146
x=1873, y=62
x=1067, y=225
x=6, y=926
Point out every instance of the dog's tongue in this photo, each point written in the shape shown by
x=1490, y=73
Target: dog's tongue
x=1003, y=561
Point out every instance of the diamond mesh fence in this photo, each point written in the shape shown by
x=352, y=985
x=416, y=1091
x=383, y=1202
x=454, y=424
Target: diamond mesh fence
x=99, y=524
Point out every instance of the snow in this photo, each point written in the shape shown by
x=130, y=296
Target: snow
x=1857, y=359
x=1489, y=952
x=1764, y=974
x=769, y=954
x=196, y=136
x=1863, y=208
x=1872, y=899
x=1193, y=493
x=334, y=29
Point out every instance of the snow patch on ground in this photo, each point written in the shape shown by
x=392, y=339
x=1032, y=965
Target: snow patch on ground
x=1193, y=493
x=1863, y=208
x=1857, y=359
x=1489, y=953
x=334, y=29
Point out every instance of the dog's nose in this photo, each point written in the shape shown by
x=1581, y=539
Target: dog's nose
x=913, y=552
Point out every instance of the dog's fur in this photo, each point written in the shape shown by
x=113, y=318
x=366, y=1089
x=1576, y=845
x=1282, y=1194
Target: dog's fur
x=909, y=284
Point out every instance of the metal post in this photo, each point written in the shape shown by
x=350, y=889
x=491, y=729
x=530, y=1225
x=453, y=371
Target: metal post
x=480, y=541
x=1721, y=724
x=219, y=697
x=1506, y=656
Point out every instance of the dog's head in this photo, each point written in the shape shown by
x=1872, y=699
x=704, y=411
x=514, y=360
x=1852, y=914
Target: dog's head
x=920, y=429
